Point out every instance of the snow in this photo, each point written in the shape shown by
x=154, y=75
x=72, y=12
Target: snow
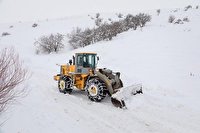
x=161, y=57
x=33, y=10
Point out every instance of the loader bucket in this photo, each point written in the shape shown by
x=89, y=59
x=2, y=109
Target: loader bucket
x=118, y=103
x=119, y=97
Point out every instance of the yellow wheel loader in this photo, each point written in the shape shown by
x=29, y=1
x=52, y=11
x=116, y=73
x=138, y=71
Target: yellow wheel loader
x=82, y=73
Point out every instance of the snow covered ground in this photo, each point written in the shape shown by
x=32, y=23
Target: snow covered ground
x=163, y=57
x=32, y=10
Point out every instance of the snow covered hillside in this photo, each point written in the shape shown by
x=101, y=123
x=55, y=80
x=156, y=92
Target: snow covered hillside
x=32, y=10
x=163, y=57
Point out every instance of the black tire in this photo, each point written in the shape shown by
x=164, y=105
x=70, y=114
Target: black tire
x=96, y=90
x=65, y=85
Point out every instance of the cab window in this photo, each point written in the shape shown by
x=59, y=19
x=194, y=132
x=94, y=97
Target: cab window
x=79, y=60
x=90, y=60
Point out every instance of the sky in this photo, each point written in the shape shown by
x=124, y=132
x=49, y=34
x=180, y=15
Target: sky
x=30, y=10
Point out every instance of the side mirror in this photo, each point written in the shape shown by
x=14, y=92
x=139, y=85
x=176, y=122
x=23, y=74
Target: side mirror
x=70, y=62
x=73, y=60
x=97, y=60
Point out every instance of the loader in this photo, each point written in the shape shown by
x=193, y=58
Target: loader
x=82, y=73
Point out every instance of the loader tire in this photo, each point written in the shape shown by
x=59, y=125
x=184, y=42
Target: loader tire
x=65, y=85
x=96, y=90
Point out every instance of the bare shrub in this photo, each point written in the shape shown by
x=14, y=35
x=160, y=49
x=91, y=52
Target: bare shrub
x=48, y=44
x=5, y=34
x=187, y=7
x=197, y=7
x=176, y=10
x=118, y=27
x=34, y=25
x=120, y=15
x=109, y=19
x=106, y=31
x=12, y=74
x=98, y=21
x=75, y=39
x=186, y=19
x=97, y=15
x=143, y=19
x=87, y=37
x=178, y=21
x=171, y=19
x=158, y=12
x=131, y=22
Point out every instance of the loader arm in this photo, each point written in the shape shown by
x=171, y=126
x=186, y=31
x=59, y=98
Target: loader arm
x=113, y=84
x=105, y=80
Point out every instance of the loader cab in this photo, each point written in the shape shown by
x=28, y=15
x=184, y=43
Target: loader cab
x=85, y=62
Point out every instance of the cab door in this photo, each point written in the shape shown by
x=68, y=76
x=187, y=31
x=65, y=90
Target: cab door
x=81, y=64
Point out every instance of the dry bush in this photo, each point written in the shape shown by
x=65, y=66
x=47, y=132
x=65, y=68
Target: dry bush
x=97, y=15
x=158, y=12
x=109, y=19
x=12, y=74
x=49, y=44
x=75, y=38
x=5, y=34
x=98, y=21
x=188, y=7
x=186, y=19
x=131, y=22
x=106, y=31
x=143, y=19
x=171, y=19
x=34, y=25
x=81, y=38
x=178, y=21
x=119, y=15
x=118, y=27
x=176, y=10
